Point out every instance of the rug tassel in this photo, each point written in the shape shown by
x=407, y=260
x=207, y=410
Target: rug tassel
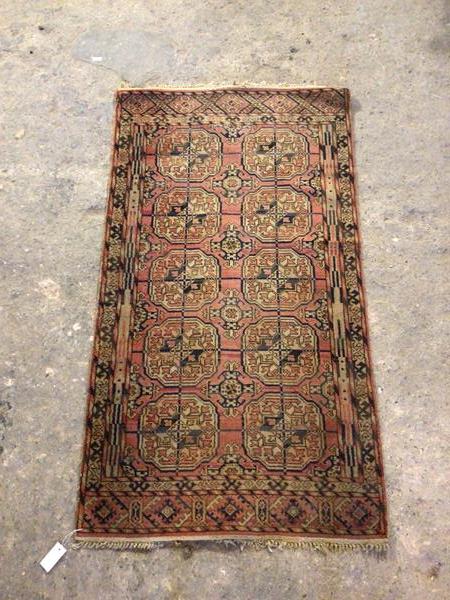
x=373, y=546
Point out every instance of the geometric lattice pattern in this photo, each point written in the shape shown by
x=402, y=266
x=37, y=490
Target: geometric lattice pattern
x=230, y=392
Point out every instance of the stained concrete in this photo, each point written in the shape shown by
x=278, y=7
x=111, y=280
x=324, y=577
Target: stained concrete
x=60, y=63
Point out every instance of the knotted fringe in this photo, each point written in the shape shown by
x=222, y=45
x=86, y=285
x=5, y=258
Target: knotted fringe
x=378, y=547
x=115, y=545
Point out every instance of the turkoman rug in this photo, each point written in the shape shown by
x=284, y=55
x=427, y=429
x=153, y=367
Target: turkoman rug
x=230, y=393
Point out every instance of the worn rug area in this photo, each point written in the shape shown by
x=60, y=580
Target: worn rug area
x=230, y=392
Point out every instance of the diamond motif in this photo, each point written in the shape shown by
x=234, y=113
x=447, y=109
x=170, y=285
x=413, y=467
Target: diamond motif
x=280, y=103
x=167, y=512
x=185, y=104
x=232, y=103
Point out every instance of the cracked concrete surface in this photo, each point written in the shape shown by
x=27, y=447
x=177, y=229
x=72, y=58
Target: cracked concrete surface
x=60, y=63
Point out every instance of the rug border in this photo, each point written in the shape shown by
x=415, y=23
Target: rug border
x=365, y=306
x=378, y=543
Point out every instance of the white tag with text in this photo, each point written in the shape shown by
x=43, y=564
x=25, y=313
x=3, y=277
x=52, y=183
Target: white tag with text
x=52, y=557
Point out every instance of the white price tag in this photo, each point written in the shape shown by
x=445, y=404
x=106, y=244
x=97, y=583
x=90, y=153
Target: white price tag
x=52, y=557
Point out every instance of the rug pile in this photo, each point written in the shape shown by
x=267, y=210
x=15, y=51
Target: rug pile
x=230, y=393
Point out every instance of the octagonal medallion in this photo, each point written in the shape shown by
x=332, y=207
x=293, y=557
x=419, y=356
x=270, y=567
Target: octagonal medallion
x=181, y=352
x=278, y=279
x=184, y=280
x=280, y=350
x=178, y=431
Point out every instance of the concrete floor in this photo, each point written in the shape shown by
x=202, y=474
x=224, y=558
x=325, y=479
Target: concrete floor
x=60, y=63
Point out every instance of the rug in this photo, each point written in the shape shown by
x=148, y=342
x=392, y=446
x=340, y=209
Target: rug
x=230, y=394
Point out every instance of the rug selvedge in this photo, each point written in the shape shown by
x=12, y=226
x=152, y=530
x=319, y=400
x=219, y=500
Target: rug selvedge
x=230, y=391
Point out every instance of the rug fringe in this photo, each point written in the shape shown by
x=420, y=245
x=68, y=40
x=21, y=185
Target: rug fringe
x=199, y=87
x=378, y=547
x=115, y=545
